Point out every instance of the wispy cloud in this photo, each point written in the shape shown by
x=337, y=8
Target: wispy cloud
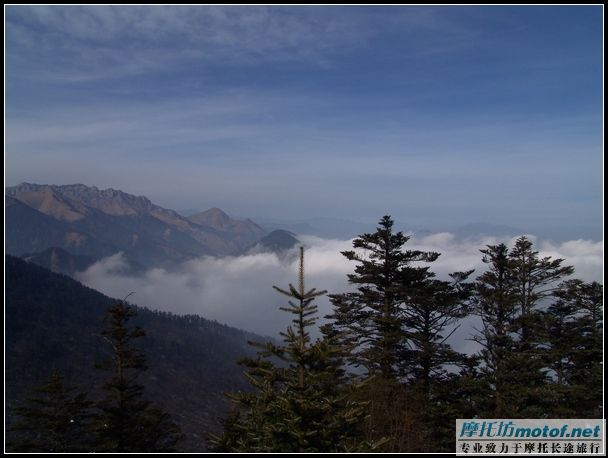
x=75, y=43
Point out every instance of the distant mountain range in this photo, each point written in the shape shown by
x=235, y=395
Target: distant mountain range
x=88, y=221
x=241, y=232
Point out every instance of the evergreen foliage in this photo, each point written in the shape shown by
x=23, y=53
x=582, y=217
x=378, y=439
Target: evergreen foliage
x=509, y=299
x=300, y=402
x=127, y=422
x=496, y=303
x=370, y=320
x=54, y=322
x=397, y=324
x=574, y=334
x=55, y=419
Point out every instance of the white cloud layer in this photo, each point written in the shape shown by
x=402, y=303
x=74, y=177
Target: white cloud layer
x=238, y=290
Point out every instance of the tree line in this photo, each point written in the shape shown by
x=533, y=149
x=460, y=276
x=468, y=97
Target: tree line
x=382, y=375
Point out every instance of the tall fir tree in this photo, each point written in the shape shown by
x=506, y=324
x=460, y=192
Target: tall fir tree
x=300, y=401
x=536, y=279
x=496, y=305
x=397, y=325
x=55, y=419
x=431, y=310
x=127, y=422
x=509, y=299
x=574, y=335
x=369, y=321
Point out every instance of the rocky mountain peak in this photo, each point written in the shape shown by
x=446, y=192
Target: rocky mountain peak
x=99, y=222
x=214, y=217
x=22, y=188
x=109, y=201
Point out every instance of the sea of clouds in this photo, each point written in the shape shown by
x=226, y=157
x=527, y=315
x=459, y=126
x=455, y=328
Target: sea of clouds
x=238, y=290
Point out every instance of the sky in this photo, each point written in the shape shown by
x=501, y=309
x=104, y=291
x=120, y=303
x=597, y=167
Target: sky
x=438, y=115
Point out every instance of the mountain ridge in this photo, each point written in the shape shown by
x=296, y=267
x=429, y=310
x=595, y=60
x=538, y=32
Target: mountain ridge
x=55, y=323
x=97, y=222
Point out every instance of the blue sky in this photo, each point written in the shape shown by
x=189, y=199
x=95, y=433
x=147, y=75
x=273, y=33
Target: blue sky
x=439, y=116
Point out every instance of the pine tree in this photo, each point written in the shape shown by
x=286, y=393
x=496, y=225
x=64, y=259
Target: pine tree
x=300, y=402
x=496, y=305
x=509, y=298
x=431, y=309
x=459, y=395
x=127, y=422
x=574, y=334
x=397, y=325
x=54, y=419
x=369, y=321
x=536, y=279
